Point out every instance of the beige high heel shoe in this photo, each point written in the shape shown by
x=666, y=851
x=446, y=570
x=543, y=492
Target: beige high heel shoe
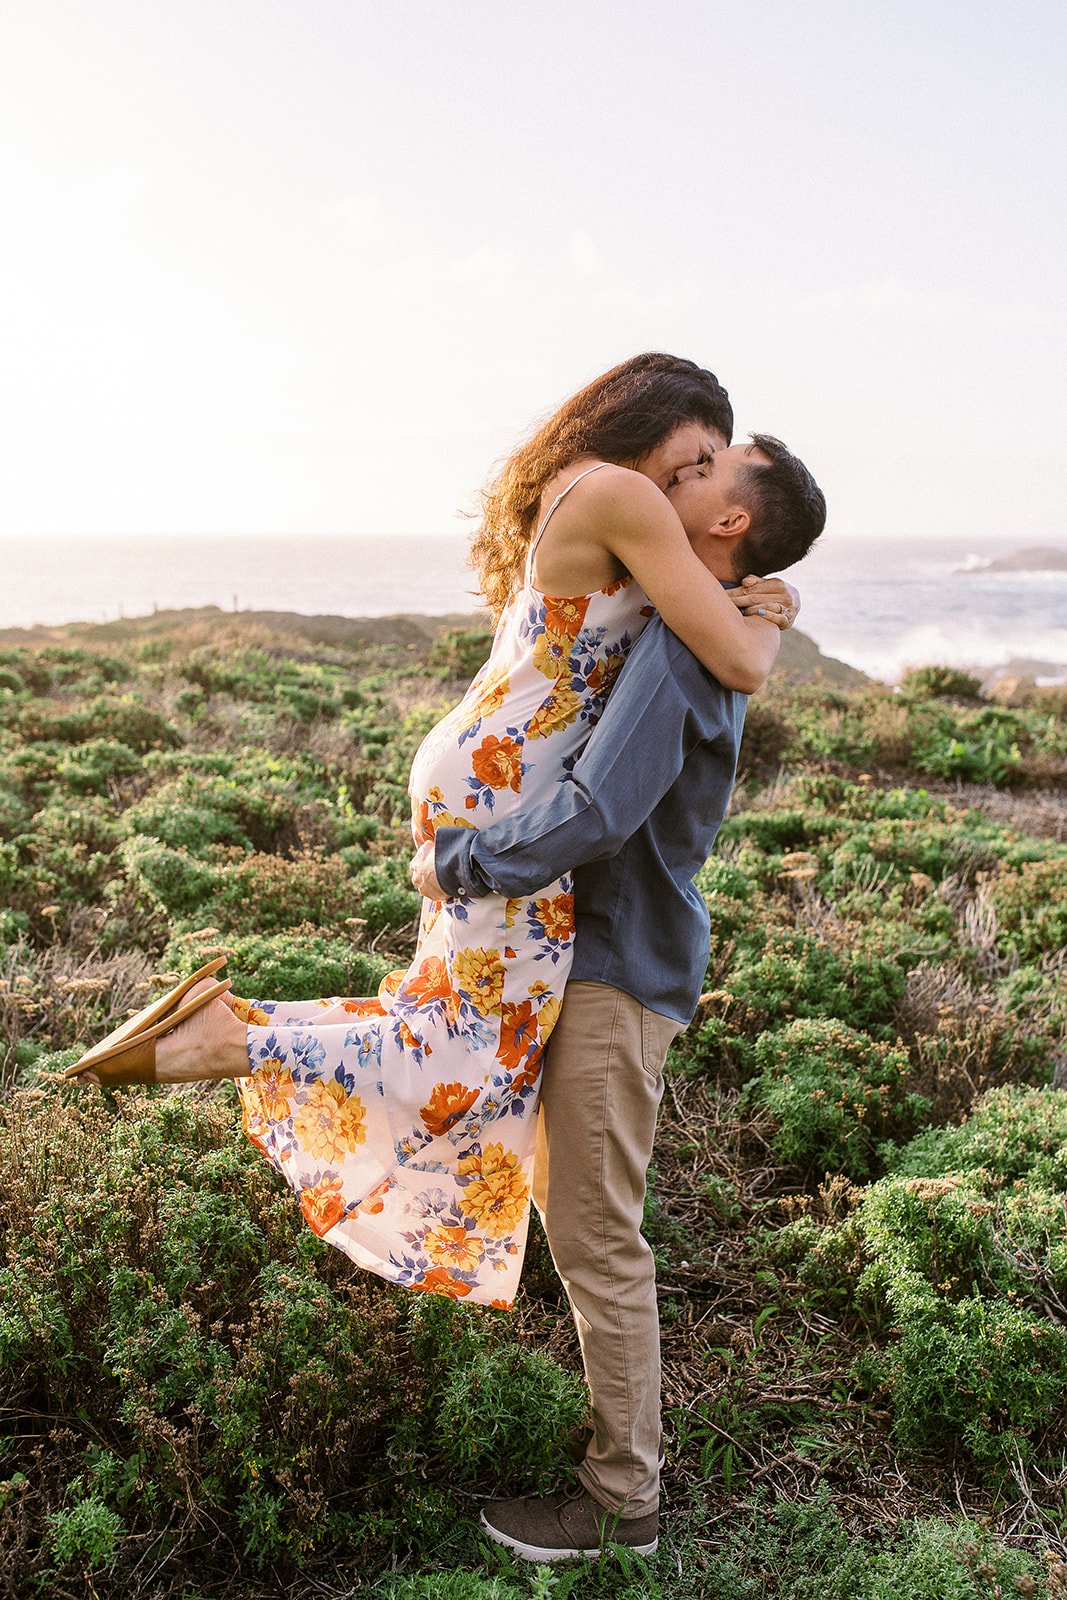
x=128, y=1054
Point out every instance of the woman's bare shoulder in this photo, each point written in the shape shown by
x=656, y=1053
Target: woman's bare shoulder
x=604, y=492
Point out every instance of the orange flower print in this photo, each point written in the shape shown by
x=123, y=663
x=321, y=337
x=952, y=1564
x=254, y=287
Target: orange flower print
x=409, y=1040
x=479, y=975
x=421, y=825
x=556, y=916
x=254, y=1123
x=605, y=672
x=323, y=1205
x=518, y=1030
x=498, y=763
x=500, y=1305
x=440, y=1281
x=497, y=1197
x=276, y=1089
x=564, y=616
x=455, y=1248
x=558, y=711
x=620, y=583
x=373, y=1204
x=362, y=1008
x=330, y=1123
x=391, y=983
x=430, y=982
x=446, y=1105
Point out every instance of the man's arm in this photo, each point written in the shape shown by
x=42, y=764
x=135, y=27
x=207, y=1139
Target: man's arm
x=662, y=706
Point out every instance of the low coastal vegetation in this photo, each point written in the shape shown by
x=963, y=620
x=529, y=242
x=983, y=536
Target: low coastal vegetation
x=858, y=1202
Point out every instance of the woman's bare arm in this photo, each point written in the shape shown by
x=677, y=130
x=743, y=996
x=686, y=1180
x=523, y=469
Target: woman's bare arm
x=625, y=513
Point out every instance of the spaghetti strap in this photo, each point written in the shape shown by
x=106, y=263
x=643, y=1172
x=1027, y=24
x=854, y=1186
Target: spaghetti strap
x=536, y=540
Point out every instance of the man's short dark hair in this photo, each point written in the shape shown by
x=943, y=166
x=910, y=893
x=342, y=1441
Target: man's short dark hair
x=786, y=507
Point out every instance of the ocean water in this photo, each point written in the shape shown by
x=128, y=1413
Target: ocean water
x=880, y=607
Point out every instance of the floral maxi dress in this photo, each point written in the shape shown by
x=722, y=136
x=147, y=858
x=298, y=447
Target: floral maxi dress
x=405, y=1123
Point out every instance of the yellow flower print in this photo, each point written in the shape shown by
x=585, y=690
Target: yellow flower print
x=492, y=695
x=479, y=974
x=276, y=1089
x=511, y=911
x=552, y=655
x=498, y=1196
x=548, y=1015
x=538, y=988
x=558, y=711
x=455, y=1248
x=252, y=1016
x=330, y=1123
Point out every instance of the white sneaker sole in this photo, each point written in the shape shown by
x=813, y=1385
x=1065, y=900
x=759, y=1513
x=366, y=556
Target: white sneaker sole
x=541, y=1553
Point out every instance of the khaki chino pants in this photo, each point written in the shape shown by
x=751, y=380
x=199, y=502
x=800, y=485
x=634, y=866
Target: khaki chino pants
x=600, y=1094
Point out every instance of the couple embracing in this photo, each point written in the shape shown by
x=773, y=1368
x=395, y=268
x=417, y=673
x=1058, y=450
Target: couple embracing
x=561, y=811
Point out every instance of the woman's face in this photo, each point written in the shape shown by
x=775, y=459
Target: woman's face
x=691, y=442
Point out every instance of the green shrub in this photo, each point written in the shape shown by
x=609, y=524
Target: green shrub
x=1031, y=907
x=303, y=964
x=194, y=810
x=126, y=720
x=980, y=747
x=164, y=1293
x=944, y=683
x=459, y=652
x=1012, y=1135
x=835, y=1093
x=384, y=896
x=510, y=1410
x=14, y=814
x=798, y=975
x=87, y=1533
x=90, y=766
x=178, y=882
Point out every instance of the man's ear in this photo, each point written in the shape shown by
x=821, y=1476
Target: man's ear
x=732, y=526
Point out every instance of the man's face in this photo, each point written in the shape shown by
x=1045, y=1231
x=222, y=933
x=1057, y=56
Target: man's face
x=705, y=496
x=689, y=445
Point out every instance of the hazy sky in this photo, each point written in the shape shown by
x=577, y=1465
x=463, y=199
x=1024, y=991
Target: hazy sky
x=312, y=265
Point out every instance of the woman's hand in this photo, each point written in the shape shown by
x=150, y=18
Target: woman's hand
x=767, y=597
x=422, y=873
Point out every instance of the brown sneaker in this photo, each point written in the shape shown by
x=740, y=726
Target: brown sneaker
x=552, y=1527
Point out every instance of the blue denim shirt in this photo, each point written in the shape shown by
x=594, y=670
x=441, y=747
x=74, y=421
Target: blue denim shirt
x=636, y=819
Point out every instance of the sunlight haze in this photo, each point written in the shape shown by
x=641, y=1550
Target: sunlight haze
x=302, y=266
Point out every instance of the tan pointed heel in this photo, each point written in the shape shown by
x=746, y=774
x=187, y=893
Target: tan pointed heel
x=149, y=1015
x=132, y=1058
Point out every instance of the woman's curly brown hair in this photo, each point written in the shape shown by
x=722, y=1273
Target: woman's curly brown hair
x=618, y=417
